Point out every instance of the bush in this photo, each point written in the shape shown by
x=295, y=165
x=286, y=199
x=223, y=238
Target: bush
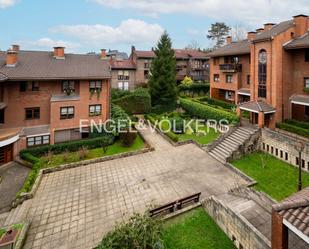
x=160, y=109
x=178, y=125
x=216, y=102
x=207, y=112
x=127, y=138
x=294, y=129
x=301, y=124
x=117, y=93
x=29, y=158
x=74, y=146
x=141, y=231
x=119, y=115
x=137, y=102
x=196, y=89
x=172, y=136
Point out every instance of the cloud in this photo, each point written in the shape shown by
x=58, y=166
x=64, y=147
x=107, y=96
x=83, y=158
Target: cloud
x=191, y=31
x=7, y=3
x=128, y=32
x=48, y=44
x=254, y=12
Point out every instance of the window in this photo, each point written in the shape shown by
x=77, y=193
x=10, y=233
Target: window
x=297, y=161
x=228, y=95
x=146, y=74
x=147, y=64
x=306, y=82
x=262, y=74
x=39, y=140
x=226, y=60
x=307, y=110
x=272, y=150
x=267, y=148
x=229, y=78
x=67, y=112
x=32, y=113
x=307, y=55
x=235, y=60
x=277, y=152
x=263, y=146
x=95, y=110
x=2, y=116
x=303, y=163
x=23, y=85
x=95, y=86
x=281, y=154
x=123, y=75
x=216, y=61
x=35, y=86
x=286, y=156
x=68, y=86
x=123, y=86
x=248, y=79
x=216, y=77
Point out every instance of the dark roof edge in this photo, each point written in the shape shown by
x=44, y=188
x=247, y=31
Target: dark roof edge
x=290, y=205
x=58, y=78
x=301, y=15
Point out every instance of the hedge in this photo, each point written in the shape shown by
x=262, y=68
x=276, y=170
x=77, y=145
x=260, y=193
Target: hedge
x=194, y=89
x=294, y=129
x=137, y=102
x=301, y=124
x=217, y=102
x=207, y=112
x=106, y=140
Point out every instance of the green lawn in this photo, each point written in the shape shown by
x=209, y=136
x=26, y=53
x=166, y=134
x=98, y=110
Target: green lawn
x=275, y=177
x=194, y=230
x=71, y=157
x=209, y=137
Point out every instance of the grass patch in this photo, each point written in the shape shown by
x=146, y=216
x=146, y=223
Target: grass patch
x=201, y=139
x=275, y=177
x=194, y=230
x=71, y=157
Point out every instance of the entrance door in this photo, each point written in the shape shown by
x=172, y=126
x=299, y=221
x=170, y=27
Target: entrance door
x=6, y=154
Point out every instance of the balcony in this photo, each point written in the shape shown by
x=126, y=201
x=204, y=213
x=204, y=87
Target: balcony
x=231, y=68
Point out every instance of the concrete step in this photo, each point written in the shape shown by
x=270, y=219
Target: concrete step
x=223, y=153
x=231, y=141
x=228, y=145
x=240, y=136
x=217, y=157
x=3, y=218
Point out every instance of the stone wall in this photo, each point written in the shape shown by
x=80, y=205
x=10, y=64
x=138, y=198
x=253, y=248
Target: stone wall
x=283, y=147
x=236, y=227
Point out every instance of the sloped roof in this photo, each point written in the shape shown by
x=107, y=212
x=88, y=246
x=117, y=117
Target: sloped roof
x=234, y=48
x=295, y=209
x=300, y=99
x=179, y=54
x=275, y=30
x=257, y=106
x=33, y=65
x=123, y=64
x=297, y=43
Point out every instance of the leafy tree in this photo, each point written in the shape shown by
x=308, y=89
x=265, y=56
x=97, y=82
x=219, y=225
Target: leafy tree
x=187, y=81
x=162, y=82
x=218, y=32
x=193, y=45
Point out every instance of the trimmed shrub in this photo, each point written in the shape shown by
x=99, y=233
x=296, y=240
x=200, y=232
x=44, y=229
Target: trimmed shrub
x=300, y=124
x=217, y=102
x=195, y=89
x=73, y=146
x=172, y=136
x=294, y=129
x=119, y=116
x=29, y=158
x=137, y=102
x=117, y=93
x=127, y=138
x=207, y=112
x=178, y=125
x=160, y=109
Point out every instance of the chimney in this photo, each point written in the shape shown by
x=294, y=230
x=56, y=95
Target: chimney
x=268, y=26
x=251, y=35
x=11, y=58
x=260, y=30
x=301, y=25
x=59, y=53
x=229, y=39
x=103, y=54
x=133, y=49
x=15, y=47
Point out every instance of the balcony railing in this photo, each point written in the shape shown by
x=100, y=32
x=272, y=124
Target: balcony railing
x=231, y=68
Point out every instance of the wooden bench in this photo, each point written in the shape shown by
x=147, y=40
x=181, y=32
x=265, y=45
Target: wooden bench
x=192, y=198
x=167, y=208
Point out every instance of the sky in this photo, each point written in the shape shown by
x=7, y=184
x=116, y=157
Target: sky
x=90, y=25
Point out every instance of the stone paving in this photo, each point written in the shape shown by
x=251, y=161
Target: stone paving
x=74, y=208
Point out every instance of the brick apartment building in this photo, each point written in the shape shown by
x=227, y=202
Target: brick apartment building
x=43, y=96
x=267, y=74
x=133, y=72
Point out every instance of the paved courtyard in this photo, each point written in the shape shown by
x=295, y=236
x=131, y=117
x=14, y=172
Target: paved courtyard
x=74, y=208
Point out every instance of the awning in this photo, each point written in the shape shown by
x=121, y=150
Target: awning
x=36, y=131
x=9, y=136
x=244, y=91
x=256, y=107
x=300, y=100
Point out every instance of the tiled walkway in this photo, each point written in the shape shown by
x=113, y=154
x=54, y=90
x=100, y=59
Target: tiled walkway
x=74, y=208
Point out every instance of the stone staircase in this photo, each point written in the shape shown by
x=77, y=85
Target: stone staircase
x=16, y=215
x=238, y=142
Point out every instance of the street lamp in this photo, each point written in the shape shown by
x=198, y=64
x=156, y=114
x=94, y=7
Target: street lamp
x=299, y=147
